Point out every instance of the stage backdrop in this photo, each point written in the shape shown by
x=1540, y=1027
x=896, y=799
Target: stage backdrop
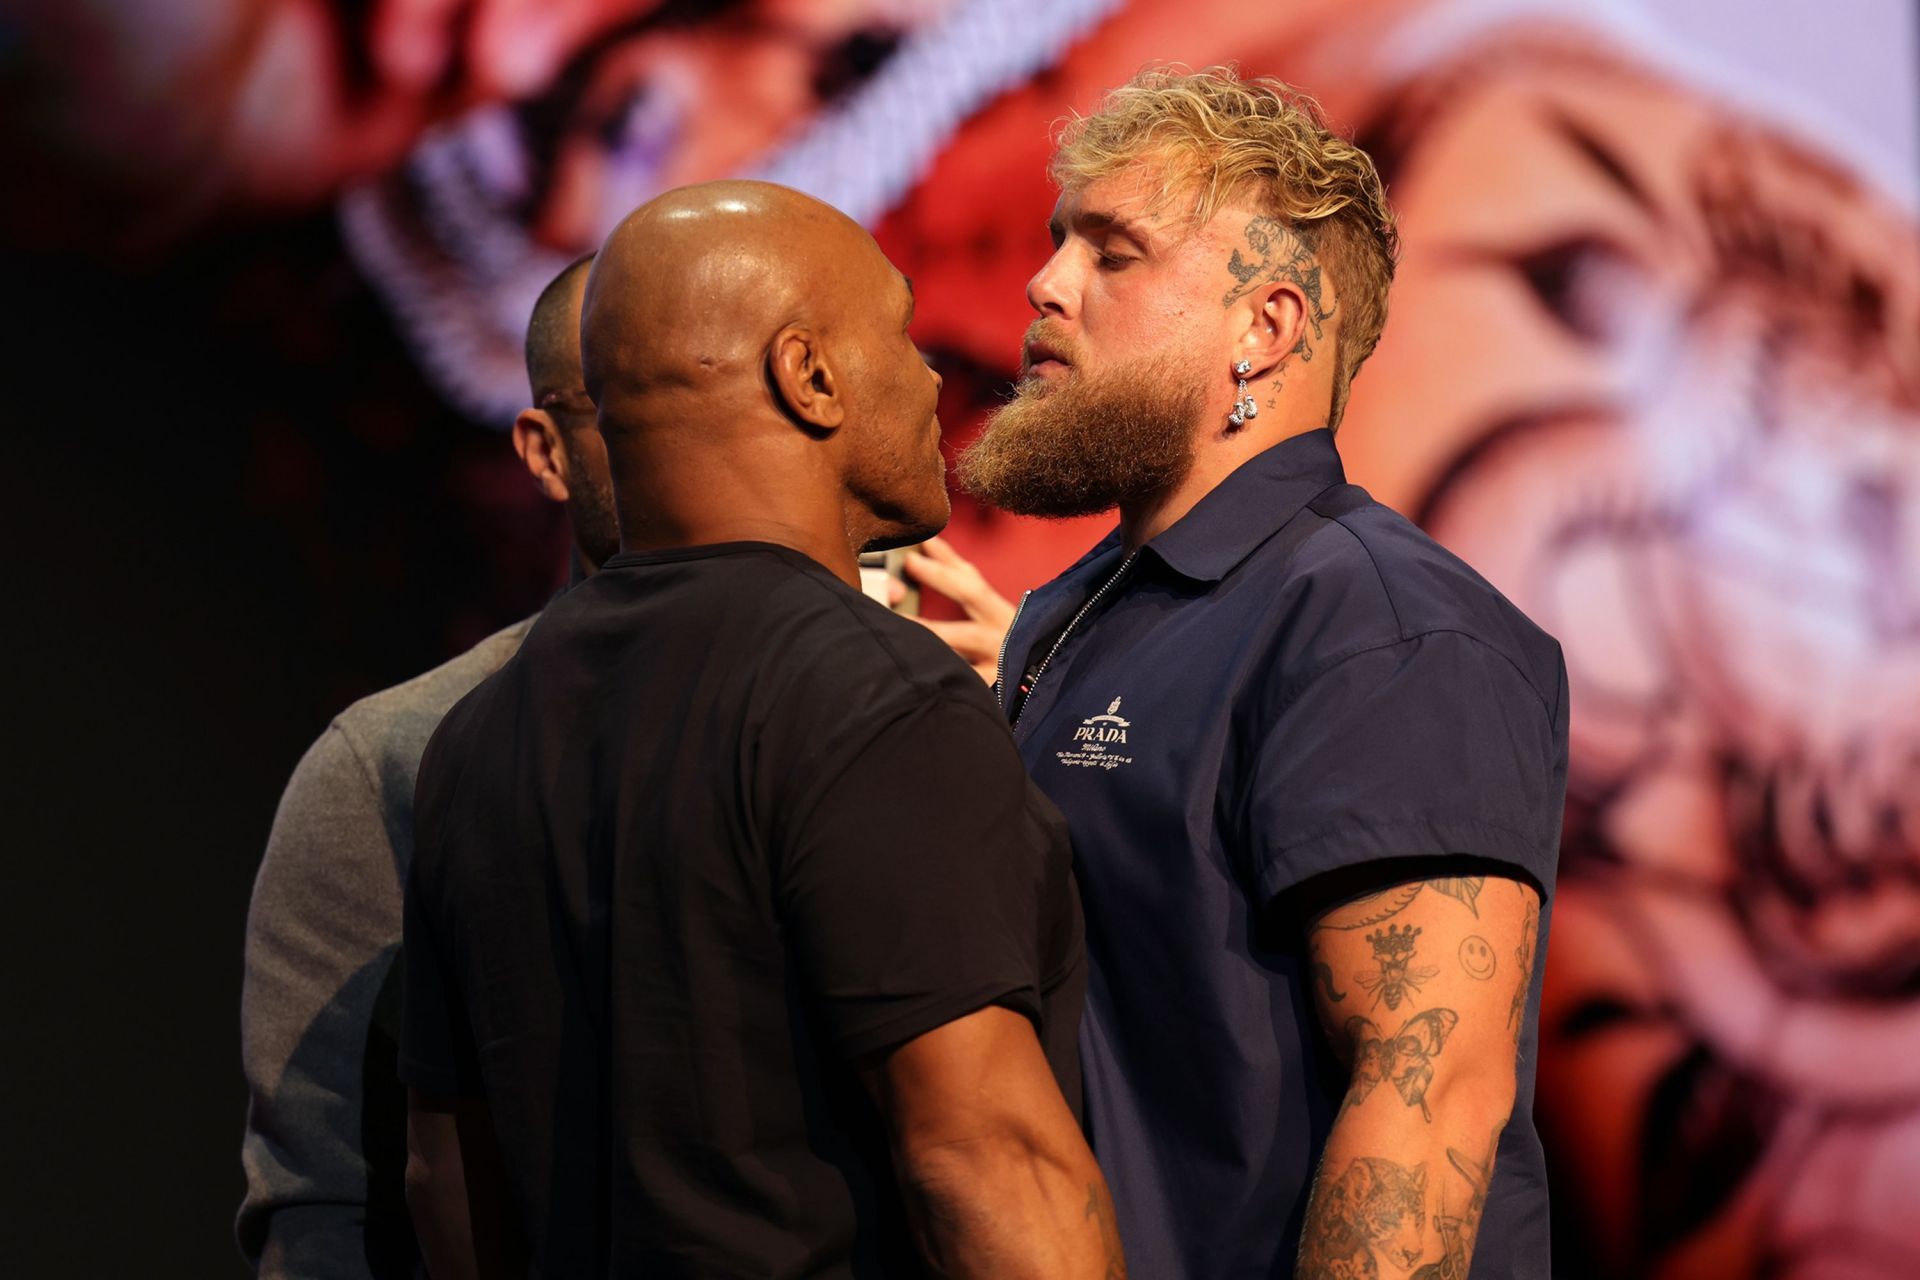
x=1653, y=366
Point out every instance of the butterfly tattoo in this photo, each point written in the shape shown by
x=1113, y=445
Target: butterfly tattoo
x=1405, y=1058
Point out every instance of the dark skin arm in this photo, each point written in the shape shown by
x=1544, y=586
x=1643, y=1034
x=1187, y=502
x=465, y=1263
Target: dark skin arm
x=996, y=1174
x=1420, y=988
x=457, y=1191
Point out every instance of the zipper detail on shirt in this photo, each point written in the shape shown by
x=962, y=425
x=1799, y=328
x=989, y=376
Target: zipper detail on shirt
x=1000, y=666
x=1061, y=639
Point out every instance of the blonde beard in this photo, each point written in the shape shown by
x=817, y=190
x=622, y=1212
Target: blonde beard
x=1087, y=445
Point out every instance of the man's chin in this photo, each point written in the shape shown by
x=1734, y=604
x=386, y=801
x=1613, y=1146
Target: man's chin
x=1049, y=507
x=909, y=528
x=902, y=535
x=1038, y=386
x=1112, y=440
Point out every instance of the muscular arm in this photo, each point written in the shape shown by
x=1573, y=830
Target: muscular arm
x=1420, y=989
x=997, y=1177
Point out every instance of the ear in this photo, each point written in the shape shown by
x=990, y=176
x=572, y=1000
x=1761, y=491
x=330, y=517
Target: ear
x=803, y=380
x=536, y=438
x=1277, y=328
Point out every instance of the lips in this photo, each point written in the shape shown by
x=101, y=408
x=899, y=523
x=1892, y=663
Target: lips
x=1039, y=355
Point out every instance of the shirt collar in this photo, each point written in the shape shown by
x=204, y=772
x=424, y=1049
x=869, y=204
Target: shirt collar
x=1249, y=506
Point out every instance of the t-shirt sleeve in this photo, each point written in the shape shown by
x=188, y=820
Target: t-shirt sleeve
x=919, y=878
x=324, y=917
x=436, y=1044
x=1433, y=745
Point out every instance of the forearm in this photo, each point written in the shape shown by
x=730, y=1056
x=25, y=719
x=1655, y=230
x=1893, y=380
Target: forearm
x=1010, y=1207
x=1392, y=1182
x=1423, y=989
x=437, y=1202
x=457, y=1193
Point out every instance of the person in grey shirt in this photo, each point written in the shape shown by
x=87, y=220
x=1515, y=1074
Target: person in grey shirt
x=325, y=1143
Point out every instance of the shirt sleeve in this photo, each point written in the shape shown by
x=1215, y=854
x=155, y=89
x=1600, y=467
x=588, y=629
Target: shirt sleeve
x=1433, y=745
x=921, y=883
x=322, y=932
x=437, y=1053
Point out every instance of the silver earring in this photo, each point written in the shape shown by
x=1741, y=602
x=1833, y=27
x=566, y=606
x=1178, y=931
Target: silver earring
x=1244, y=407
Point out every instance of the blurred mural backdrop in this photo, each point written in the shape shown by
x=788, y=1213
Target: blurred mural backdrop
x=1653, y=366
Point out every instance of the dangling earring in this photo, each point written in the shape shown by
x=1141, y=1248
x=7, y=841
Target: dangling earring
x=1244, y=407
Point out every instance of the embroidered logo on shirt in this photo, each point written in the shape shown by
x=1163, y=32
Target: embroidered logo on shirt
x=1100, y=742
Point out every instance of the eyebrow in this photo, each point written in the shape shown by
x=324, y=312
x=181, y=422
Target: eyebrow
x=1101, y=220
x=912, y=299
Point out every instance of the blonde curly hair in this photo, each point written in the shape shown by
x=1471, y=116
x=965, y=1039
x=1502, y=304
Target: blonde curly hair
x=1218, y=139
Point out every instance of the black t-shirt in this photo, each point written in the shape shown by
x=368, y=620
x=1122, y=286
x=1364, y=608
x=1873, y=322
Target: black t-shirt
x=722, y=825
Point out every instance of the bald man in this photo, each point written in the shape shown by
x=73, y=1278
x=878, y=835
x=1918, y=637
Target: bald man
x=319, y=1005
x=681, y=998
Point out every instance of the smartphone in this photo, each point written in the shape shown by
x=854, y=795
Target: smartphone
x=878, y=567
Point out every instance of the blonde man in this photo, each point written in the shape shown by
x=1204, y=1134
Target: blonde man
x=1314, y=765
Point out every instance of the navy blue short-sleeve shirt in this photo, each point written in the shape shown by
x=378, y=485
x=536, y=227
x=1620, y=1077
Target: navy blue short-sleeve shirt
x=1291, y=680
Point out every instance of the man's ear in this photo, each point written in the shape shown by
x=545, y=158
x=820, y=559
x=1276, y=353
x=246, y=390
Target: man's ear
x=803, y=381
x=536, y=438
x=1276, y=325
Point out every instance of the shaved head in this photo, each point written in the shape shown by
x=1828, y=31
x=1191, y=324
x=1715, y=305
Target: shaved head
x=556, y=436
x=698, y=280
x=743, y=338
x=553, y=333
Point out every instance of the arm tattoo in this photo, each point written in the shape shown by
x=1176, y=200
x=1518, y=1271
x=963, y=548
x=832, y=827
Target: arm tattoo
x=1324, y=972
x=1465, y=888
x=1529, y=939
x=1477, y=958
x=1458, y=1232
x=1375, y=1211
x=1396, y=977
x=1374, y=1207
x=1406, y=1058
x=1372, y=908
x=1100, y=1209
x=1280, y=252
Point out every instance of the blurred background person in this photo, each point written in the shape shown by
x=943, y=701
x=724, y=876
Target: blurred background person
x=325, y=1146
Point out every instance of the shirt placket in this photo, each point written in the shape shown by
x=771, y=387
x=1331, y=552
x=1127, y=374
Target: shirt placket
x=1029, y=684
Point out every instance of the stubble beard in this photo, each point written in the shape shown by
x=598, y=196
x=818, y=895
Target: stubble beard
x=590, y=508
x=1087, y=444
x=902, y=491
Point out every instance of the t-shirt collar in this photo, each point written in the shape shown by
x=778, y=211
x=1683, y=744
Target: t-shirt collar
x=1249, y=506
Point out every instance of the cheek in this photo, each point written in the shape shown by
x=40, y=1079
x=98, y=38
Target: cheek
x=1143, y=316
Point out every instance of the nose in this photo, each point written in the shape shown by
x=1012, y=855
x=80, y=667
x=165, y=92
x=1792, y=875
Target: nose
x=1051, y=291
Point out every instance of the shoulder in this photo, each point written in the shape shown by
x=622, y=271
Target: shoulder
x=824, y=668
x=842, y=645
x=1361, y=577
x=389, y=730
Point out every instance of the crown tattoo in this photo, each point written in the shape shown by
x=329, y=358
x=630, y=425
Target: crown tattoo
x=1393, y=942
